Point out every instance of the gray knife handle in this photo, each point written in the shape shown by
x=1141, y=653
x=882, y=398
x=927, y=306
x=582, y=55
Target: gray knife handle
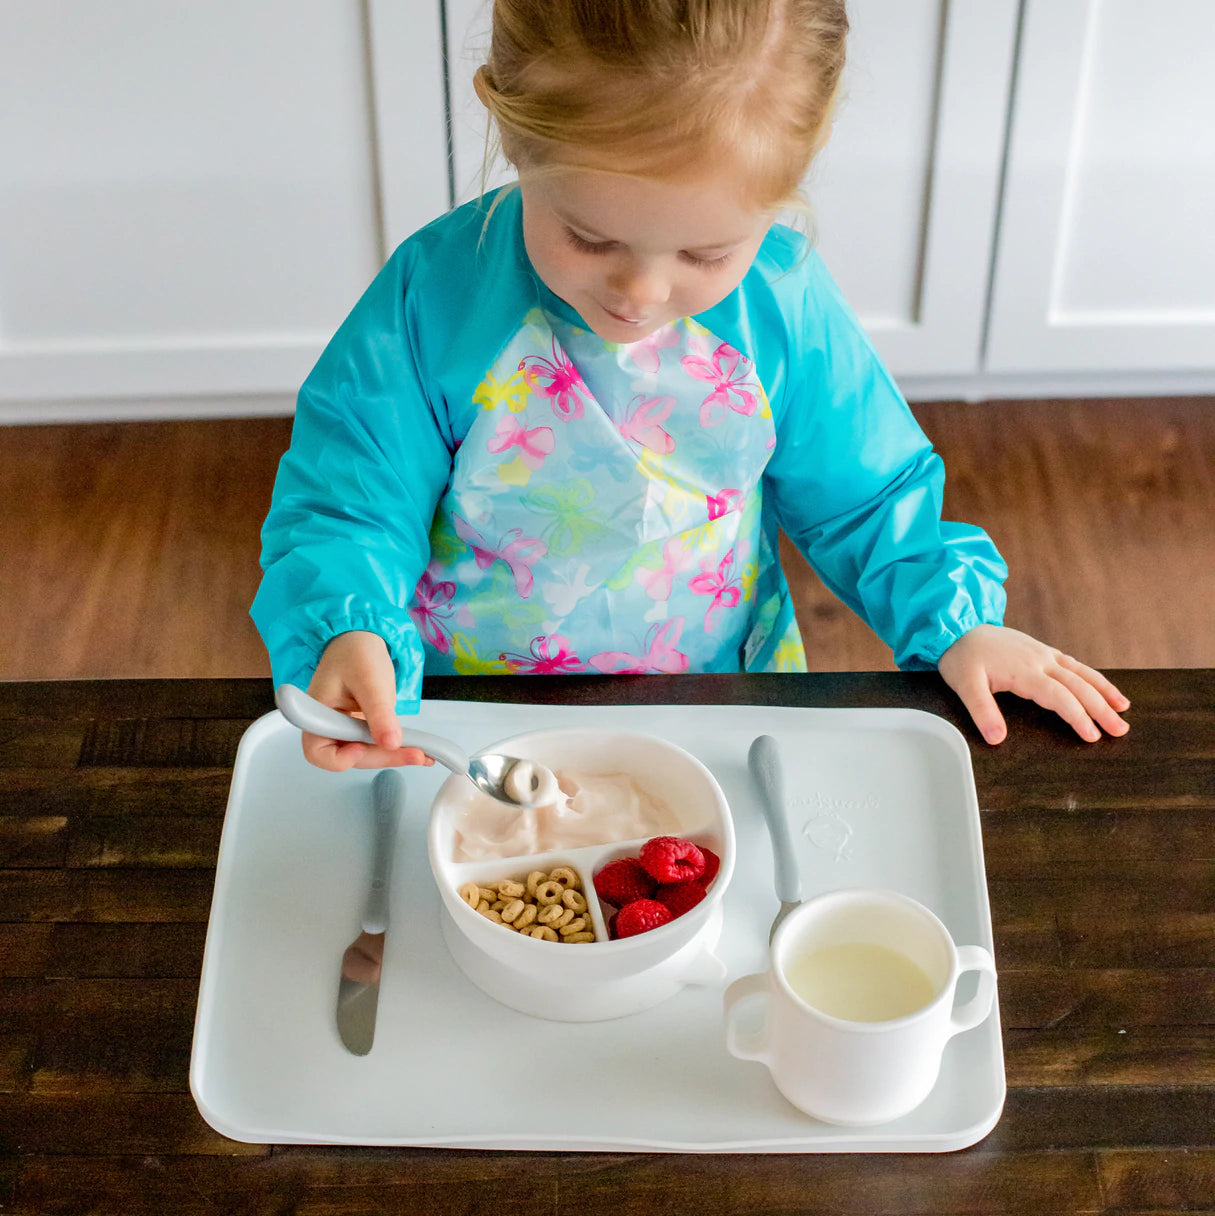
x=309, y=714
x=764, y=762
x=387, y=801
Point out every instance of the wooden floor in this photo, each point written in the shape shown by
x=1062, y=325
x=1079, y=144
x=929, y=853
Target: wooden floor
x=131, y=549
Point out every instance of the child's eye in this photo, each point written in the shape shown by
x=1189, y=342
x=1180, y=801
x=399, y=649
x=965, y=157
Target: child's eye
x=584, y=246
x=706, y=263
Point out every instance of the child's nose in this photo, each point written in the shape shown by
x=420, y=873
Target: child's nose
x=642, y=285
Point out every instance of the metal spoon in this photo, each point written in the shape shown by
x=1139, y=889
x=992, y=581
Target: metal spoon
x=506, y=778
x=764, y=762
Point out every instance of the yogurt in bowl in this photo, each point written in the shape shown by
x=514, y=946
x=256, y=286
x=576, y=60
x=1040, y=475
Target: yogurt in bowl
x=619, y=789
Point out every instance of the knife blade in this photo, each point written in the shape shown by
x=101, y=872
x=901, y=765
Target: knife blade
x=359, y=984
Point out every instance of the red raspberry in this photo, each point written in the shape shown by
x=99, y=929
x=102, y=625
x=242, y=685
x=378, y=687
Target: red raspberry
x=712, y=865
x=679, y=897
x=641, y=916
x=670, y=859
x=621, y=882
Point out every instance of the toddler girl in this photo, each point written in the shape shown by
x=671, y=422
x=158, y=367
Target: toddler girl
x=560, y=431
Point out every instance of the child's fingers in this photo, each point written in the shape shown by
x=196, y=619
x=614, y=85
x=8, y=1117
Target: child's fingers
x=1094, y=702
x=1052, y=694
x=329, y=754
x=337, y=757
x=1105, y=687
x=383, y=757
x=982, y=707
x=380, y=710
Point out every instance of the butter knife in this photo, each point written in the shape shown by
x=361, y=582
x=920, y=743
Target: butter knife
x=764, y=762
x=358, y=1002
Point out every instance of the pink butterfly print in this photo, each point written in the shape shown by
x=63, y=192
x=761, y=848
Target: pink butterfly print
x=646, y=354
x=558, y=379
x=550, y=656
x=643, y=425
x=720, y=584
x=533, y=445
x=658, y=583
x=723, y=503
x=519, y=552
x=660, y=654
x=432, y=604
x=719, y=370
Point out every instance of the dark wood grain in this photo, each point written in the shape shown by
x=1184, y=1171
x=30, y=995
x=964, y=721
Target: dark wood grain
x=346, y=1181
x=1155, y=1182
x=1101, y=865
x=62, y=950
x=1140, y=1055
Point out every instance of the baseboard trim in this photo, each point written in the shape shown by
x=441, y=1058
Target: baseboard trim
x=916, y=388
x=993, y=387
x=138, y=409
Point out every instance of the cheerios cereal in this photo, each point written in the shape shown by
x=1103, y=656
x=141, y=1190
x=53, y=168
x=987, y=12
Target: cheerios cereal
x=549, y=892
x=549, y=907
x=566, y=877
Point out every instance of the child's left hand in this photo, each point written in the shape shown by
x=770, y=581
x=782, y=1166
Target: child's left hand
x=991, y=659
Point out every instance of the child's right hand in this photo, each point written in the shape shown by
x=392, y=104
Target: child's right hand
x=356, y=674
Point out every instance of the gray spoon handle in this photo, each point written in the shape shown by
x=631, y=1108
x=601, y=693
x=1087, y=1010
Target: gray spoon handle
x=309, y=714
x=764, y=762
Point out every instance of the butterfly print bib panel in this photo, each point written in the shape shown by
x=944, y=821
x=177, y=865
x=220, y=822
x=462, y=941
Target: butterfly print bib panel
x=604, y=510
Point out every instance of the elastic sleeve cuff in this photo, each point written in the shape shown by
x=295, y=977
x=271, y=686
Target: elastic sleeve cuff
x=929, y=644
x=296, y=662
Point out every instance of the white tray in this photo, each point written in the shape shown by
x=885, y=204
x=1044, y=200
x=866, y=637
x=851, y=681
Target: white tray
x=880, y=797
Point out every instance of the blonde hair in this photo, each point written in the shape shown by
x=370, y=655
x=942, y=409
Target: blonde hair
x=655, y=88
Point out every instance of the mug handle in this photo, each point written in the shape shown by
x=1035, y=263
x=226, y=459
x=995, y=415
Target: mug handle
x=752, y=1047
x=968, y=1016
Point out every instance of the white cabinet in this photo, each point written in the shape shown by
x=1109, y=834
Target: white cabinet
x=190, y=195
x=906, y=192
x=467, y=49
x=1106, y=258
x=1017, y=199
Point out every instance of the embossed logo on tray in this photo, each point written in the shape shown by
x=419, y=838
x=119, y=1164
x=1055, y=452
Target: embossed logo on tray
x=825, y=827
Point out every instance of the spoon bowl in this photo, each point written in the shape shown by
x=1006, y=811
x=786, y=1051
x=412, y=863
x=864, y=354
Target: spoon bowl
x=508, y=779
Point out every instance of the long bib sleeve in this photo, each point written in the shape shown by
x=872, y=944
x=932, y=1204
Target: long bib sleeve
x=347, y=537
x=856, y=485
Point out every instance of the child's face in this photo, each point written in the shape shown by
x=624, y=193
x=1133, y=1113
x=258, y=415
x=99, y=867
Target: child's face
x=633, y=255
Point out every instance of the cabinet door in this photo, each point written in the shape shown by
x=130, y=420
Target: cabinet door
x=472, y=147
x=904, y=197
x=1105, y=256
x=905, y=193
x=189, y=193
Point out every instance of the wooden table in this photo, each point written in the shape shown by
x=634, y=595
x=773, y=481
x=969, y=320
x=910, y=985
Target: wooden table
x=1099, y=862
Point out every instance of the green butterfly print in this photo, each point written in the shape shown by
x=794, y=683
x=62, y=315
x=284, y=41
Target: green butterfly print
x=573, y=524
x=445, y=546
x=649, y=556
x=501, y=599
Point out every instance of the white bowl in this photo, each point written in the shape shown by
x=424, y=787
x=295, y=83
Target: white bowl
x=601, y=979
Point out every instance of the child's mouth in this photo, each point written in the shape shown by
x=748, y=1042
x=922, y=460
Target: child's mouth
x=624, y=320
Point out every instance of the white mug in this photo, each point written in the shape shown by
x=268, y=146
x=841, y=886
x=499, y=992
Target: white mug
x=859, y=1003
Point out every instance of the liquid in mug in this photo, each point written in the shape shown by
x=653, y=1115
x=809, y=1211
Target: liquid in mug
x=859, y=982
